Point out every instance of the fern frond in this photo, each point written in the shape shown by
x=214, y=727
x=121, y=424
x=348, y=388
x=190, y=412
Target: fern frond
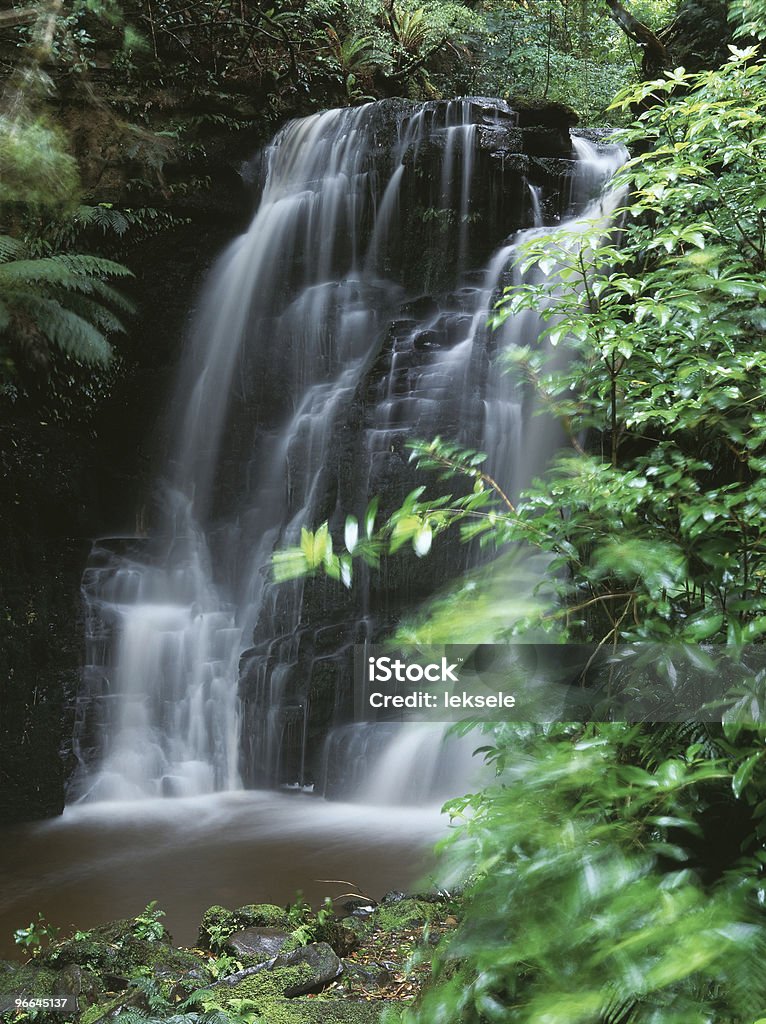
x=64, y=289
x=63, y=270
x=113, y=297
x=133, y=1016
x=68, y=331
x=104, y=217
x=65, y=298
x=93, y=266
x=89, y=309
x=11, y=249
x=657, y=742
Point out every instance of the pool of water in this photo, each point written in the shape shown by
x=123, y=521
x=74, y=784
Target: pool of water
x=108, y=860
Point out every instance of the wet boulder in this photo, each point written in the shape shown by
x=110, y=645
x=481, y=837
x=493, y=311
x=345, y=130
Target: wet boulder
x=257, y=943
x=306, y=969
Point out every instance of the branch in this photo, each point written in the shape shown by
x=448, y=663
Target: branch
x=655, y=58
x=8, y=19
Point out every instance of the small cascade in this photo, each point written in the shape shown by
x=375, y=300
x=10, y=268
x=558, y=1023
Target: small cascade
x=536, y=205
x=161, y=654
x=348, y=319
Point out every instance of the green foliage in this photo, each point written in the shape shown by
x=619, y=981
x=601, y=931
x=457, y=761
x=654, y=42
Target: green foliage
x=64, y=300
x=415, y=522
x=37, y=171
x=550, y=50
x=224, y=965
x=748, y=18
x=35, y=167
x=148, y=924
x=103, y=226
x=35, y=934
x=663, y=537
x=49, y=299
x=310, y=926
x=569, y=919
x=323, y=52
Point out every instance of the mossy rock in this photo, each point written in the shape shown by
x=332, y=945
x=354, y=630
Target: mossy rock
x=406, y=914
x=323, y=1011
x=263, y=987
x=114, y=949
x=218, y=923
x=263, y=915
x=131, y=999
x=26, y=979
x=307, y=969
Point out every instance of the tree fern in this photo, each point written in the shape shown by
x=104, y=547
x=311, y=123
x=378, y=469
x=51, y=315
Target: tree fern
x=63, y=300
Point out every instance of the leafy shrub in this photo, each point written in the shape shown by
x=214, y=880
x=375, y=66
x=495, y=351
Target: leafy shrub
x=148, y=924
x=570, y=919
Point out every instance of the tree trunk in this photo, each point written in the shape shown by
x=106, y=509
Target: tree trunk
x=655, y=58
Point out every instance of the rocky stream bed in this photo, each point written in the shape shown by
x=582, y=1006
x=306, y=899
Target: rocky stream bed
x=345, y=962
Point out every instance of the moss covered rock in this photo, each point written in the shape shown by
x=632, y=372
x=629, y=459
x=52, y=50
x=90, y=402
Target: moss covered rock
x=219, y=923
x=263, y=987
x=406, y=914
x=26, y=979
x=304, y=970
x=114, y=951
x=324, y=1011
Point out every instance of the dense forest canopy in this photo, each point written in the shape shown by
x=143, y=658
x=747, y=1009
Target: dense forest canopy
x=615, y=871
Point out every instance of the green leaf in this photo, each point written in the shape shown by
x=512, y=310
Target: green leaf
x=369, y=517
x=744, y=773
x=351, y=533
x=421, y=542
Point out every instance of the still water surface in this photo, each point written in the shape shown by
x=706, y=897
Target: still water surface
x=104, y=861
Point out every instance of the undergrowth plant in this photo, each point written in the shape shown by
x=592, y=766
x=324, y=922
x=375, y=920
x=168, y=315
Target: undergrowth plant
x=35, y=935
x=148, y=924
x=584, y=908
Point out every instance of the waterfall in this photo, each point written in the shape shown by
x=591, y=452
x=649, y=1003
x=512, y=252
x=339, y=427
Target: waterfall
x=349, y=317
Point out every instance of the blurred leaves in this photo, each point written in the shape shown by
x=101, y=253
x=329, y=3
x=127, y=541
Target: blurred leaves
x=35, y=167
x=568, y=917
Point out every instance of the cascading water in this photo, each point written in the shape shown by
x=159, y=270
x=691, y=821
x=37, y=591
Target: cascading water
x=415, y=763
x=348, y=318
